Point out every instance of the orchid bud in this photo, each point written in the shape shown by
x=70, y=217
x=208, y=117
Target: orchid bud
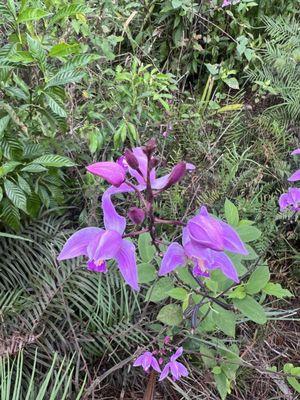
x=131, y=159
x=150, y=147
x=136, y=215
x=176, y=174
x=154, y=162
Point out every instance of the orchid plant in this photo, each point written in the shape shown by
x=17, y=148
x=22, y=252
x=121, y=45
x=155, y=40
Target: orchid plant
x=211, y=282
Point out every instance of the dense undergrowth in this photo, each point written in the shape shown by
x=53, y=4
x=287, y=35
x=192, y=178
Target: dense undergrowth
x=79, y=82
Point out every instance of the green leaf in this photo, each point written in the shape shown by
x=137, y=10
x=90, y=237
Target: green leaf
x=15, y=194
x=10, y=214
x=55, y=106
x=160, y=290
x=225, y=320
x=146, y=248
x=251, y=309
x=36, y=50
x=178, y=294
x=238, y=293
x=232, y=83
x=275, y=289
x=24, y=185
x=36, y=168
x=223, y=385
x=208, y=356
x=31, y=14
x=170, y=314
x=8, y=167
x=53, y=160
x=184, y=275
x=176, y=3
x=258, y=279
x=69, y=11
x=231, y=213
x=63, y=49
x=146, y=273
x=3, y=124
x=33, y=205
x=248, y=233
x=1, y=194
x=64, y=77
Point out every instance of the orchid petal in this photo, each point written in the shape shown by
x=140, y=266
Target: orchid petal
x=112, y=220
x=155, y=365
x=206, y=231
x=284, y=201
x=295, y=177
x=108, y=246
x=77, y=244
x=174, y=257
x=232, y=241
x=111, y=171
x=295, y=152
x=165, y=372
x=177, y=354
x=223, y=262
x=127, y=263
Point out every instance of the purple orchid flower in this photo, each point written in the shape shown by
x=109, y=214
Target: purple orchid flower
x=100, y=245
x=291, y=200
x=174, y=367
x=147, y=360
x=207, y=231
x=295, y=177
x=204, y=259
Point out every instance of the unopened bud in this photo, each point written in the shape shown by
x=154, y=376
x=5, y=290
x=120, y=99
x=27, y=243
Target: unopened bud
x=154, y=162
x=131, y=159
x=150, y=146
x=136, y=215
x=176, y=174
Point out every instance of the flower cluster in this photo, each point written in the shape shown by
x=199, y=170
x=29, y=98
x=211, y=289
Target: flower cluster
x=133, y=172
x=291, y=199
x=205, y=238
x=173, y=367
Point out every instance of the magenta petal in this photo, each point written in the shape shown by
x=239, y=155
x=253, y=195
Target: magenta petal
x=177, y=354
x=111, y=171
x=181, y=370
x=295, y=152
x=155, y=365
x=283, y=201
x=173, y=258
x=112, y=220
x=127, y=264
x=206, y=231
x=77, y=244
x=232, y=241
x=295, y=177
x=108, y=246
x=223, y=262
x=160, y=183
x=139, y=361
x=165, y=372
x=92, y=266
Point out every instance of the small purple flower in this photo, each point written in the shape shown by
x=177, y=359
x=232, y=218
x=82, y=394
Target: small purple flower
x=204, y=259
x=173, y=367
x=291, y=200
x=295, y=152
x=112, y=172
x=295, y=177
x=147, y=360
x=227, y=3
x=100, y=245
x=207, y=231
